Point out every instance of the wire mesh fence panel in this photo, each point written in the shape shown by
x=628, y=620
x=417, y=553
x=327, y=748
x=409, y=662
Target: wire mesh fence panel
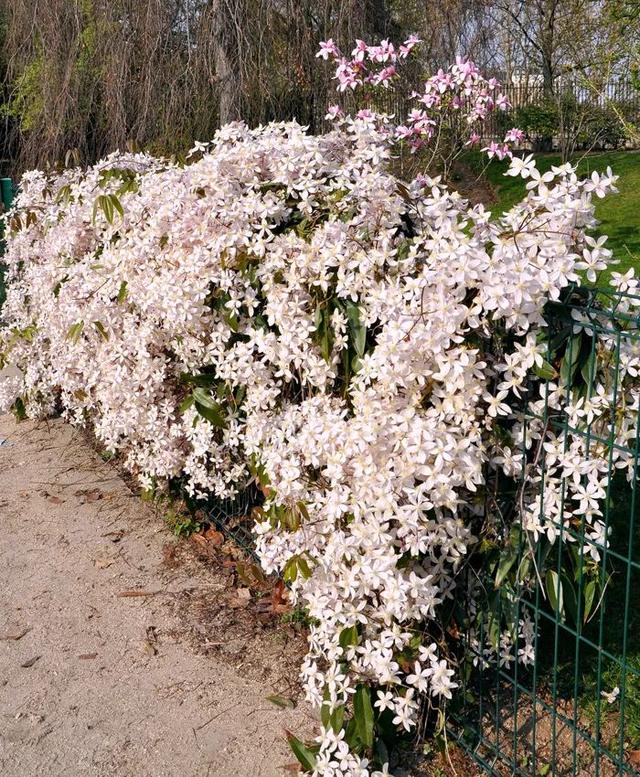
x=575, y=708
x=588, y=112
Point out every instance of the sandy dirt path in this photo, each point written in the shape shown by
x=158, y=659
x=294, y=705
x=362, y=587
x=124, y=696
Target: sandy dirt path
x=93, y=682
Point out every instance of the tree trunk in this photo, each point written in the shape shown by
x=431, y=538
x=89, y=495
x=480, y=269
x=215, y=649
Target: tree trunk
x=547, y=51
x=377, y=17
x=226, y=61
x=548, y=85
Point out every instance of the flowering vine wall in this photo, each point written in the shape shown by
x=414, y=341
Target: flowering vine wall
x=283, y=309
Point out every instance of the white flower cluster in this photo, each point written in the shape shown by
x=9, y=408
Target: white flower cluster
x=283, y=308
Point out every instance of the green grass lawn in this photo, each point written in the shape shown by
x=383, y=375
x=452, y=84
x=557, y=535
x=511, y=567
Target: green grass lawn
x=619, y=214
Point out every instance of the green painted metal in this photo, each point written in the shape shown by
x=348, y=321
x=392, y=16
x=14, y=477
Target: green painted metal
x=7, y=192
x=554, y=718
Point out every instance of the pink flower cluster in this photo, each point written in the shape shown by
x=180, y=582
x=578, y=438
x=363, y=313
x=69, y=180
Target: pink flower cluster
x=453, y=100
x=503, y=150
x=375, y=65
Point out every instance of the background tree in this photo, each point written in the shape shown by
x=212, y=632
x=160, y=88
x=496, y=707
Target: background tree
x=84, y=77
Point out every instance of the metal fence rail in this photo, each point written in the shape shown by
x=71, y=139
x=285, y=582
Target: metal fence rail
x=563, y=715
x=621, y=97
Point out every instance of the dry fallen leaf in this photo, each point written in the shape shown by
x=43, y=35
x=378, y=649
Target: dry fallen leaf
x=152, y=635
x=30, y=662
x=15, y=637
x=149, y=648
x=55, y=500
x=103, y=563
x=281, y=701
x=114, y=536
x=291, y=768
x=199, y=539
x=88, y=656
x=138, y=593
x=241, y=599
x=279, y=599
x=216, y=538
x=88, y=495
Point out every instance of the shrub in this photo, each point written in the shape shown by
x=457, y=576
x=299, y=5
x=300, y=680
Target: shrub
x=575, y=124
x=602, y=129
x=538, y=121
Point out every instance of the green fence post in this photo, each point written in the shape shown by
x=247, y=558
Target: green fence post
x=6, y=196
x=6, y=190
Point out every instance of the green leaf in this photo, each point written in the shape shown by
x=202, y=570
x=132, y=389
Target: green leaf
x=303, y=228
x=381, y=753
x=545, y=371
x=337, y=718
x=363, y=714
x=303, y=567
x=75, y=330
x=107, y=207
x=116, y=204
x=524, y=568
x=325, y=714
x=351, y=736
x=569, y=598
x=570, y=359
x=204, y=398
x=19, y=409
x=493, y=624
x=324, y=332
x=122, y=292
x=212, y=414
x=64, y=194
x=589, y=598
x=590, y=368
x=507, y=560
x=186, y=403
x=202, y=379
x=290, y=571
x=239, y=395
x=554, y=592
x=358, y=331
x=231, y=320
x=108, y=204
x=333, y=719
x=101, y=330
x=306, y=758
x=208, y=407
x=348, y=636
x=281, y=701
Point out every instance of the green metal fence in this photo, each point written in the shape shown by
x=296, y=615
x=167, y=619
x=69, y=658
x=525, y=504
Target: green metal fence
x=576, y=710
x=562, y=715
x=6, y=198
